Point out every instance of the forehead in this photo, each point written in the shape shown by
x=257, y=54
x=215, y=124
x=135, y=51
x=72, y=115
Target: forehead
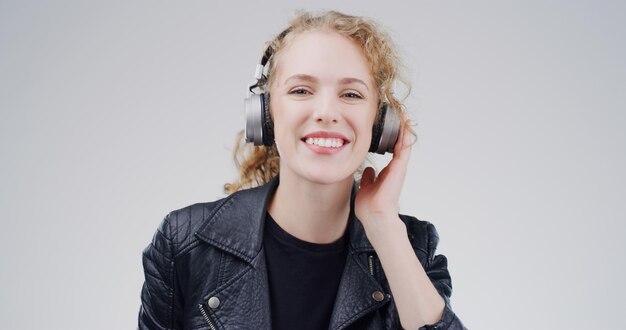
x=325, y=55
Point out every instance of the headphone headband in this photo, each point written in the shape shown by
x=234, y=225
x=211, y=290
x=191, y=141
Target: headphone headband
x=269, y=51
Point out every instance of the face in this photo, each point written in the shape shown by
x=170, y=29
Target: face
x=324, y=101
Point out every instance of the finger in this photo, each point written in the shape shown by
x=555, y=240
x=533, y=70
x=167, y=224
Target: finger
x=383, y=174
x=368, y=177
x=404, y=145
x=398, y=146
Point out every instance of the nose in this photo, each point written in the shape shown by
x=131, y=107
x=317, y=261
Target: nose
x=327, y=111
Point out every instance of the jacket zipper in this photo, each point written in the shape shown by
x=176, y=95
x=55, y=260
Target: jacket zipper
x=206, y=317
x=370, y=260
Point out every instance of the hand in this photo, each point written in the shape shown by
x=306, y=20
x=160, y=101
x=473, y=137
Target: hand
x=378, y=197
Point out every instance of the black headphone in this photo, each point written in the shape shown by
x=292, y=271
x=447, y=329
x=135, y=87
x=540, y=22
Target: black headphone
x=260, y=127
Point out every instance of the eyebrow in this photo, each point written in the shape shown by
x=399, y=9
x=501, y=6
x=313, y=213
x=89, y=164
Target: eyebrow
x=342, y=81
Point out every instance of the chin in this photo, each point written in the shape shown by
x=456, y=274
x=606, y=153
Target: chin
x=328, y=176
x=321, y=170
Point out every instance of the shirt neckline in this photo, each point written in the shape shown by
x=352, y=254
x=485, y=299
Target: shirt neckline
x=283, y=236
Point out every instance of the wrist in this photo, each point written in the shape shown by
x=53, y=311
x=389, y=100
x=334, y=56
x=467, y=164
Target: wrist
x=385, y=230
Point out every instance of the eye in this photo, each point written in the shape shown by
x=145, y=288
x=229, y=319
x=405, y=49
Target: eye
x=353, y=95
x=299, y=91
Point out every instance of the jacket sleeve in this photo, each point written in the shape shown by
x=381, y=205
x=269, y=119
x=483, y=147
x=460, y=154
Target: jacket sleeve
x=159, y=309
x=437, y=271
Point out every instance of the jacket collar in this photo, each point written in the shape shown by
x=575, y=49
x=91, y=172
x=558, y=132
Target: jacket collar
x=236, y=225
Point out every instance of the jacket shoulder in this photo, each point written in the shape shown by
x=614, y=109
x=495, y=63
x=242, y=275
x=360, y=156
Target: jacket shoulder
x=422, y=234
x=181, y=224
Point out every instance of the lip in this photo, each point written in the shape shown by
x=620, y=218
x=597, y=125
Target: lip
x=325, y=150
x=324, y=134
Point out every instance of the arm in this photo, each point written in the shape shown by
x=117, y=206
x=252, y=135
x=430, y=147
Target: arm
x=416, y=298
x=158, y=296
x=420, y=292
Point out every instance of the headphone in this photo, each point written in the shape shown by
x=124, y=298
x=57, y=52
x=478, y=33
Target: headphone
x=260, y=127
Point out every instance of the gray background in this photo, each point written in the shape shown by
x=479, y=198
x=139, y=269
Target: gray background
x=113, y=113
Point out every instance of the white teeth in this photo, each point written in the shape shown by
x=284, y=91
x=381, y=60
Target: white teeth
x=323, y=142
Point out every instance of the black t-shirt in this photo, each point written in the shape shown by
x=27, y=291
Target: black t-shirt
x=303, y=278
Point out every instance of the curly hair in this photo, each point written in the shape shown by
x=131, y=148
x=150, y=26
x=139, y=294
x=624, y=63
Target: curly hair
x=257, y=165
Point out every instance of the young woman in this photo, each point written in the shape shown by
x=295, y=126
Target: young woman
x=298, y=244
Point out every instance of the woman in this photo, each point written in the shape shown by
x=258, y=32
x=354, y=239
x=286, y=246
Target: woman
x=307, y=248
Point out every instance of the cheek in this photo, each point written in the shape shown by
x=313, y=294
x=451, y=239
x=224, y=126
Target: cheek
x=286, y=121
x=367, y=133
x=366, y=126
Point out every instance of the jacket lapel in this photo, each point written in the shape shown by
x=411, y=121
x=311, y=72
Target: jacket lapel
x=236, y=227
x=355, y=296
x=244, y=299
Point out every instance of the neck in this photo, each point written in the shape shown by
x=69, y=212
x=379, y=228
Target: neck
x=313, y=212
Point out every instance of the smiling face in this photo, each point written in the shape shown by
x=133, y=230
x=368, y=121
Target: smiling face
x=324, y=102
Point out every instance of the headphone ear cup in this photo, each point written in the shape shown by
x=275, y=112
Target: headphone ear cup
x=259, y=124
x=268, y=123
x=385, y=131
x=377, y=129
x=254, y=118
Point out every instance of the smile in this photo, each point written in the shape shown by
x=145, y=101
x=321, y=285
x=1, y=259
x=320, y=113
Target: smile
x=325, y=142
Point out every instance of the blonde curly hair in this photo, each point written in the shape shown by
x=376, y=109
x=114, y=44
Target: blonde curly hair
x=257, y=165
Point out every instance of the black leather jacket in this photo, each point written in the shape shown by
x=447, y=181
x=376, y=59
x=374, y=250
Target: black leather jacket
x=205, y=269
